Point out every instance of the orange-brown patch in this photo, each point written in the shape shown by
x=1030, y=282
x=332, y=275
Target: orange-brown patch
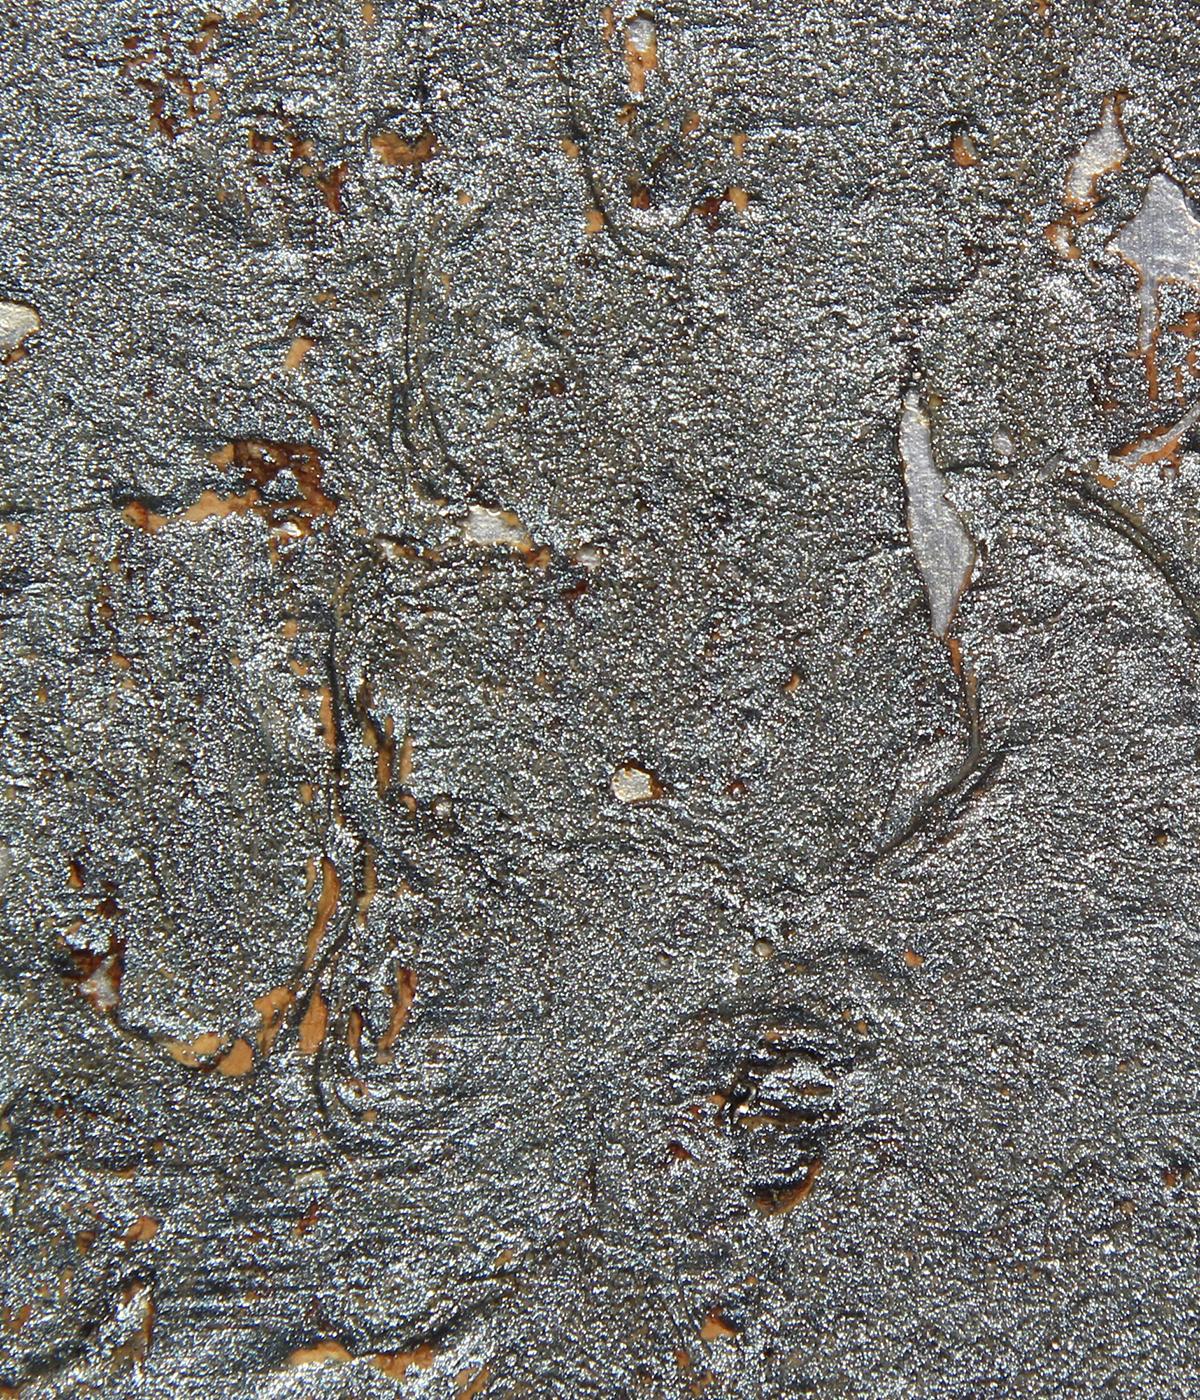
x=300, y=347
x=394, y=1364
x=259, y=462
x=470, y=1383
x=143, y=1229
x=195, y=1054
x=779, y=1201
x=98, y=975
x=237, y=1060
x=327, y=902
x=319, y=1352
x=403, y=994
x=641, y=52
x=272, y=1006
x=716, y=1328
x=963, y=152
x=407, y=152
x=314, y=1024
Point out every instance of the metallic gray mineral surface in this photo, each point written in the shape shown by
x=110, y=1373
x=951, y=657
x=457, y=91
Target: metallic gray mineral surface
x=598, y=722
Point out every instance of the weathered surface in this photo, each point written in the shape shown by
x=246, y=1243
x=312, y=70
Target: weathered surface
x=502, y=891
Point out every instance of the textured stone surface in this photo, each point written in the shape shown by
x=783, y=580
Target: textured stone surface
x=504, y=892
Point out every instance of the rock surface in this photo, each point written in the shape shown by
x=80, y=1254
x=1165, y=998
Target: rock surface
x=417, y=421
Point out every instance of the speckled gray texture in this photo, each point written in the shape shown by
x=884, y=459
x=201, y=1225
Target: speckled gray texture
x=691, y=975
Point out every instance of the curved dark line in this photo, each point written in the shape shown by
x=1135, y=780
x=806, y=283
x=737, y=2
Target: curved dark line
x=1093, y=505
x=580, y=136
x=960, y=783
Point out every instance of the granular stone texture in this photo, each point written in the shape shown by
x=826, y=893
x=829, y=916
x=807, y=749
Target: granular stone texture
x=600, y=751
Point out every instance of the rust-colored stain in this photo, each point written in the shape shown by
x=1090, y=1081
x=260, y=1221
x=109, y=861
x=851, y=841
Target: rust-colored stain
x=1151, y=448
x=1101, y=154
x=237, y=1060
x=136, y=1347
x=327, y=901
x=314, y=1024
x=300, y=347
x=157, y=72
x=779, y=1201
x=319, y=1352
x=963, y=152
x=913, y=958
x=210, y=505
x=1162, y=447
x=259, y=463
x=272, y=1006
x=370, y=884
x=709, y=208
x=354, y=1031
x=407, y=152
x=207, y=32
x=405, y=766
x=381, y=740
x=394, y=1364
x=1060, y=234
x=385, y=755
x=1149, y=357
x=641, y=51
x=139, y=514
x=403, y=994
x=14, y=1320
x=205, y=1052
x=143, y=1229
x=327, y=720
x=470, y=1383
x=194, y=1053
x=716, y=1328
x=307, y=1220
x=330, y=185
x=98, y=976
x=302, y=153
